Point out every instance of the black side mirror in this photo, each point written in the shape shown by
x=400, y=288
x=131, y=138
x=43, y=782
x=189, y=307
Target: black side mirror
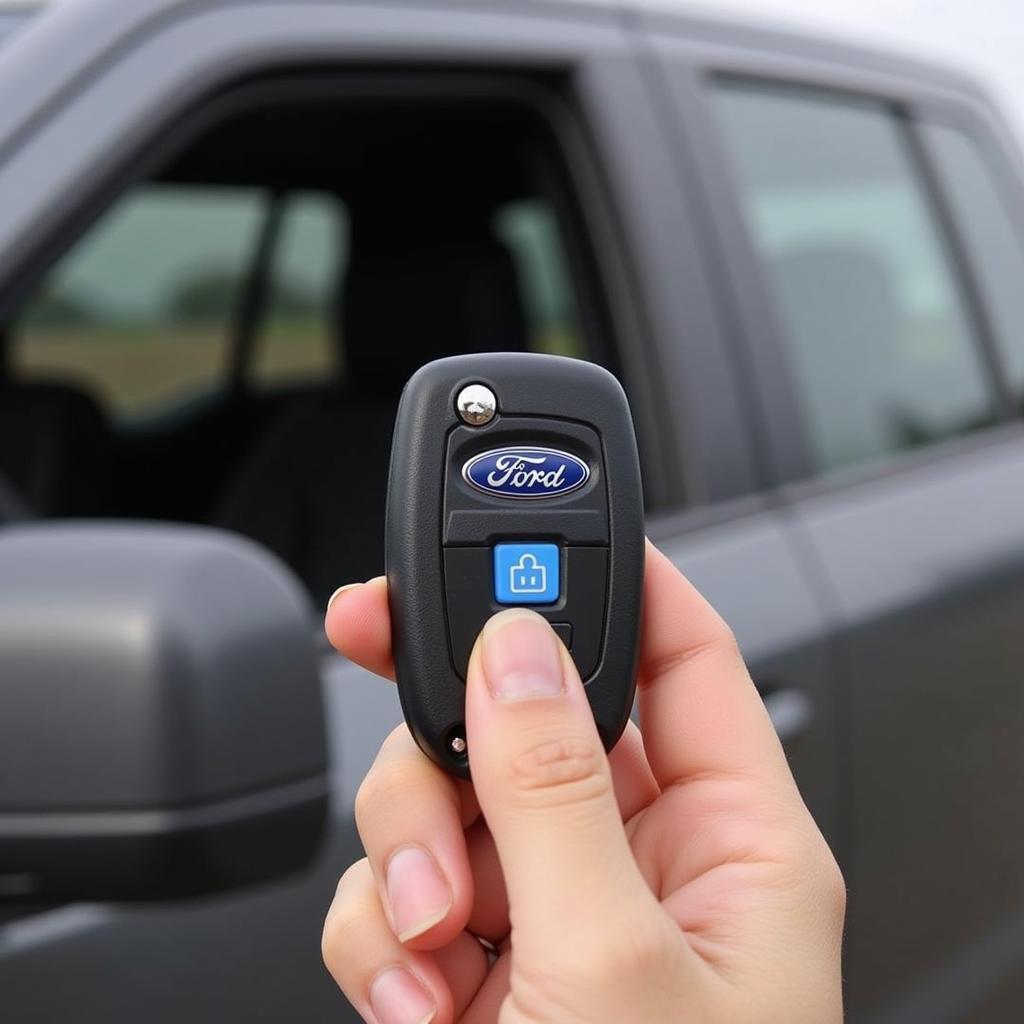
x=161, y=719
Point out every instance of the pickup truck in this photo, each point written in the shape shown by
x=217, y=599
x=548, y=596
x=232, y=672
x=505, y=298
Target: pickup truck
x=230, y=229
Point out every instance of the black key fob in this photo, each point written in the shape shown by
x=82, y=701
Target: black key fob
x=514, y=481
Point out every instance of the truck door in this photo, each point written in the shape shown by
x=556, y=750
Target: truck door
x=885, y=396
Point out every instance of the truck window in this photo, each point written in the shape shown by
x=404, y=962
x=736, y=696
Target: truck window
x=882, y=350
x=294, y=342
x=247, y=315
x=991, y=235
x=140, y=312
x=530, y=231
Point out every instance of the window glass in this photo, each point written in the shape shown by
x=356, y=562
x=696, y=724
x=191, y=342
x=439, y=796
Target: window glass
x=139, y=311
x=142, y=312
x=298, y=340
x=993, y=241
x=884, y=355
x=530, y=231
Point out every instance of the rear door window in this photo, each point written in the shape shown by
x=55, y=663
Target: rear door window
x=991, y=233
x=883, y=352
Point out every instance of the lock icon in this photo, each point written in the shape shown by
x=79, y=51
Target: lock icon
x=527, y=576
x=526, y=573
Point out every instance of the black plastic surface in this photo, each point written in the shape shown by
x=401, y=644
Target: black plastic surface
x=440, y=532
x=161, y=718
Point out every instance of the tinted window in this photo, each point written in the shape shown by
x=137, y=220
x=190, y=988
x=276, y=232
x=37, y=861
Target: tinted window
x=138, y=311
x=297, y=339
x=991, y=236
x=249, y=316
x=143, y=312
x=882, y=350
x=530, y=231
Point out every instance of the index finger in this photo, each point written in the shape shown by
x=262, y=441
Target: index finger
x=358, y=624
x=700, y=713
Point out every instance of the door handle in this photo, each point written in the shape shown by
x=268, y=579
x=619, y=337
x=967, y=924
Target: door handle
x=790, y=710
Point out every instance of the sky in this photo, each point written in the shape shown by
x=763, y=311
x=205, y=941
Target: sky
x=985, y=37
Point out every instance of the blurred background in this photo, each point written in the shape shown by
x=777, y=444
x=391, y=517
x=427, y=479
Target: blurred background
x=983, y=38
x=229, y=233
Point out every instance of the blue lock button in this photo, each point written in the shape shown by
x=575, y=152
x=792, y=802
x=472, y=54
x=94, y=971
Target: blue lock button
x=526, y=573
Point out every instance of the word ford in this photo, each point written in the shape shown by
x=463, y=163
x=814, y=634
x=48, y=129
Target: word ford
x=512, y=469
x=526, y=472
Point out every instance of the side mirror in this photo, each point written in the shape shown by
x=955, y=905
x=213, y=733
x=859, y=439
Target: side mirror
x=161, y=719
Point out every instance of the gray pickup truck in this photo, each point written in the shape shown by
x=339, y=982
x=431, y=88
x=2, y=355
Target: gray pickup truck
x=229, y=229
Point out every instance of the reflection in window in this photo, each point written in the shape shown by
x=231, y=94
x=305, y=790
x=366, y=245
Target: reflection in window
x=299, y=338
x=883, y=353
x=530, y=231
x=992, y=239
x=144, y=312
x=138, y=311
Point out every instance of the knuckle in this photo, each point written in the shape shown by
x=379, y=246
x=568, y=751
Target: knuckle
x=721, y=635
x=638, y=953
x=398, y=739
x=613, y=966
x=351, y=913
x=835, y=885
x=727, y=646
x=391, y=771
x=813, y=870
x=344, y=926
x=564, y=770
x=716, y=636
x=357, y=875
x=366, y=798
x=796, y=845
x=382, y=785
x=798, y=852
x=716, y=641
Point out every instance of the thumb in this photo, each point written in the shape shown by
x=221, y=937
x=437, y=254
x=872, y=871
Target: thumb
x=543, y=780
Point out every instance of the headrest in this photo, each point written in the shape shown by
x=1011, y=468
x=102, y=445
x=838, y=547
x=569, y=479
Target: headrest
x=840, y=294
x=54, y=442
x=419, y=299
x=845, y=321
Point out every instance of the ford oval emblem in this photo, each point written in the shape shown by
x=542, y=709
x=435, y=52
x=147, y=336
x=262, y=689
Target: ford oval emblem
x=526, y=472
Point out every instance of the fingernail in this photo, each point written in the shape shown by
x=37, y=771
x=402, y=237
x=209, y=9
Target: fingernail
x=396, y=997
x=418, y=894
x=519, y=656
x=341, y=590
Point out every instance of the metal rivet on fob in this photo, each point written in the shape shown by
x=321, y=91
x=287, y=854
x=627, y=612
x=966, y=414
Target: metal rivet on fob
x=476, y=404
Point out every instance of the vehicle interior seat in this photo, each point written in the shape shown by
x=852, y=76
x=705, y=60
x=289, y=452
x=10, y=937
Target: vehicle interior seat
x=423, y=281
x=55, y=446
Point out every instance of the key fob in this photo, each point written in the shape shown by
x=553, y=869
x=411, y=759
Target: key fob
x=514, y=480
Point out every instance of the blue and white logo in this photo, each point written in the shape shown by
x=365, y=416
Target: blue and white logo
x=526, y=472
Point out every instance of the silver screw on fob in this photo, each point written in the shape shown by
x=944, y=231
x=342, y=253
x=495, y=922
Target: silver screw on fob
x=476, y=404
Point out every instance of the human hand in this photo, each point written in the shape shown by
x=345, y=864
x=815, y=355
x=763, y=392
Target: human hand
x=679, y=878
